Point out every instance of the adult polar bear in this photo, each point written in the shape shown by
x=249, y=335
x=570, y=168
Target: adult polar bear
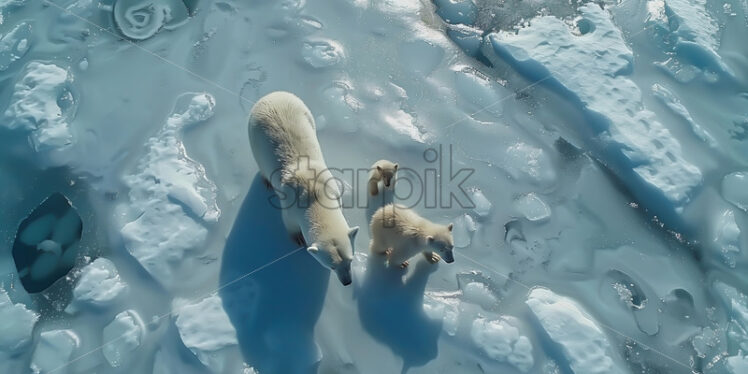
x=284, y=143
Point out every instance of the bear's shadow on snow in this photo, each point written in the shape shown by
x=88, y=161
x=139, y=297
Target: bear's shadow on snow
x=275, y=309
x=384, y=197
x=390, y=302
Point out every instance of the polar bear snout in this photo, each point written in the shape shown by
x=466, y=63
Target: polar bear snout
x=344, y=275
x=449, y=257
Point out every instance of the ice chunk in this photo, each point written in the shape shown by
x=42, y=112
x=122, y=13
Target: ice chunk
x=528, y=163
x=43, y=104
x=737, y=364
x=582, y=342
x=99, y=284
x=16, y=325
x=532, y=207
x=590, y=69
x=54, y=351
x=122, y=337
x=727, y=237
x=464, y=227
x=206, y=330
x=705, y=341
x=478, y=293
x=466, y=37
x=171, y=196
x=444, y=306
x=501, y=341
x=671, y=101
x=734, y=301
x=142, y=19
x=322, y=53
x=15, y=44
x=735, y=189
x=482, y=204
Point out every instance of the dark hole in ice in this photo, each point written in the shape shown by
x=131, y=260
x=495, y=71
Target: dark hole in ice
x=45, y=247
x=585, y=26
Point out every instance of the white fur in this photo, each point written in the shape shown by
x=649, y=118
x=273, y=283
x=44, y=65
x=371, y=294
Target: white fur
x=383, y=171
x=284, y=144
x=400, y=233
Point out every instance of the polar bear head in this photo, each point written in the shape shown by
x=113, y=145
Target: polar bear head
x=336, y=254
x=442, y=242
x=387, y=170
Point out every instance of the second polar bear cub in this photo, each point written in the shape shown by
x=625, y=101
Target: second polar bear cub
x=400, y=233
x=383, y=171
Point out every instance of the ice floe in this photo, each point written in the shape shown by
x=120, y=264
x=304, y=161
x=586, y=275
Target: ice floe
x=170, y=196
x=583, y=343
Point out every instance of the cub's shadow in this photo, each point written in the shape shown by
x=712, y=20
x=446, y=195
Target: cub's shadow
x=384, y=197
x=391, y=310
x=275, y=309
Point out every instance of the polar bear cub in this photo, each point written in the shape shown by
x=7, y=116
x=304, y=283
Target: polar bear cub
x=284, y=143
x=400, y=233
x=383, y=171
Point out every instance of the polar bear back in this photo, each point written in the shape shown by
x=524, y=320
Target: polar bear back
x=281, y=132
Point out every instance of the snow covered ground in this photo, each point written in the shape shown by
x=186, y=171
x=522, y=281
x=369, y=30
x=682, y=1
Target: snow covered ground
x=603, y=146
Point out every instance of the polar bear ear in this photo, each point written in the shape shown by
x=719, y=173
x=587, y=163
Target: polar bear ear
x=312, y=249
x=430, y=238
x=396, y=166
x=450, y=226
x=352, y=233
x=379, y=168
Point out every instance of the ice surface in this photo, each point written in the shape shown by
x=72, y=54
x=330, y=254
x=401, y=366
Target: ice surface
x=99, y=284
x=735, y=189
x=123, y=335
x=671, y=101
x=631, y=135
x=629, y=157
x=43, y=104
x=583, y=343
x=14, y=45
x=502, y=341
x=16, y=325
x=54, y=350
x=206, y=330
x=170, y=197
x=532, y=207
x=727, y=237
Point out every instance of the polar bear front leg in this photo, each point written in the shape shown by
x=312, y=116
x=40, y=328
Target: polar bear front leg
x=373, y=186
x=432, y=257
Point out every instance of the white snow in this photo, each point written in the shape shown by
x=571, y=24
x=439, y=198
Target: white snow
x=478, y=293
x=122, y=337
x=171, y=197
x=16, y=325
x=727, y=237
x=735, y=189
x=532, y=207
x=54, y=351
x=591, y=69
x=464, y=227
x=35, y=106
x=99, y=285
x=206, y=330
x=501, y=341
x=322, y=53
x=668, y=98
x=14, y=45
x=529, y=164
x=582, y=342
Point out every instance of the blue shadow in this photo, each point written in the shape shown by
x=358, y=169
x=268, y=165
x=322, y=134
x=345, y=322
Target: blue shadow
x=391, y=310
x=275, y=309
